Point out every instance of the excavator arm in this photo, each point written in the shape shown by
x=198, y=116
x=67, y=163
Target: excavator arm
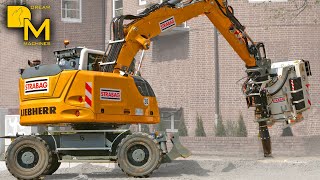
x=130, y=38
x=261, y=88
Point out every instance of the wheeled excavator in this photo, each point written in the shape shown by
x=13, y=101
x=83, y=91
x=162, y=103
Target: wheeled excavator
x=94, y=92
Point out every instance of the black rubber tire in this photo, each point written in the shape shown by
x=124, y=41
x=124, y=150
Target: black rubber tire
x=31, y=144
x=54, y=166
x=151, y=160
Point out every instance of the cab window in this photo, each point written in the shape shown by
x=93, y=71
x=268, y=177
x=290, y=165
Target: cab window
x=68, y=62
x=93, y=62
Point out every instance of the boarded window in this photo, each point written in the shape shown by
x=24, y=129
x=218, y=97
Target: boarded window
x=170, y=117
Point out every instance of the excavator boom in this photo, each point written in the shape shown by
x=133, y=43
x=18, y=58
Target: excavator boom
x=137, y=35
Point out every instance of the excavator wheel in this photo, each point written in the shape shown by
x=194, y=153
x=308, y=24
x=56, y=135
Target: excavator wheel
x=55, y=164
x=28, y=157
x=139, y=155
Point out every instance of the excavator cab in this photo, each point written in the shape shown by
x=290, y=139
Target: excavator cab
x=79, y=58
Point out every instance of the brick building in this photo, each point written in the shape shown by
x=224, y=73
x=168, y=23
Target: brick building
x=180, y=64
x=79, y=21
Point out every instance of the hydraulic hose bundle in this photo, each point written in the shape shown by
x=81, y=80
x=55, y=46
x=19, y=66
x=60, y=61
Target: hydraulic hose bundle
x=117, y=42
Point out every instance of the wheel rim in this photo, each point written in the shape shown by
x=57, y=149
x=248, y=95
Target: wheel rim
x=27, y=157
x=138, y=155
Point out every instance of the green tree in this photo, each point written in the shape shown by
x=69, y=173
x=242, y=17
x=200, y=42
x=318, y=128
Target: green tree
x=242, y=129
x=183, y=131
x=287, y=131
x=231, y=129
x=220, y=130
x=200, y=130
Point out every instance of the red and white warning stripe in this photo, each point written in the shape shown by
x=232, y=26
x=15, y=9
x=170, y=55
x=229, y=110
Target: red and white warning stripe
x=308, y=95
x=292, y=85
x=88, y=94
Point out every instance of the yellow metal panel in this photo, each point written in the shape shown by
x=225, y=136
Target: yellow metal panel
x=52, y=83
x=65, y=79
x=68, y=102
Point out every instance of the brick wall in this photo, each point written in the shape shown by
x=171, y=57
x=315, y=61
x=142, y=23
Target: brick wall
x=183, y=74
x=88, y=33
x=296, y=146
x=14, y=55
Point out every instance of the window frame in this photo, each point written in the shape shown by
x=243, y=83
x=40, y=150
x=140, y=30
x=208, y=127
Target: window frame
x=20, y=2
x=114, y=7
x=88, y=62
x=72, y=20
x=142, y=2
x=183, y=25
x=171, y=119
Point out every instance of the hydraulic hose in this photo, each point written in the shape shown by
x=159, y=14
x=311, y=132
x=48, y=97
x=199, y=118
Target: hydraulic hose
x=282, y=83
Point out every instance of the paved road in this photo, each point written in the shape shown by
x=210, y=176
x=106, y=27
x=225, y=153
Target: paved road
x=200, y=167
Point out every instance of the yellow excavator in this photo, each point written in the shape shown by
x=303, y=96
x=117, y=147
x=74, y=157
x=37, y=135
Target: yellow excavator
x=94, y=92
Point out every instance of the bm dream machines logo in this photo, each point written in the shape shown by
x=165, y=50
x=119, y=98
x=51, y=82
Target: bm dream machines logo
x=20, y=17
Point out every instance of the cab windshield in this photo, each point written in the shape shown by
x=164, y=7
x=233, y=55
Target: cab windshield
x=68, y=58
x=68, y=62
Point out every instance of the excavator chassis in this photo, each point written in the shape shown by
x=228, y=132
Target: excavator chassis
x=137, y=154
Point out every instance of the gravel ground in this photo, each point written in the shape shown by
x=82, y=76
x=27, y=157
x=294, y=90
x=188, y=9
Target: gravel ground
x=199, y=167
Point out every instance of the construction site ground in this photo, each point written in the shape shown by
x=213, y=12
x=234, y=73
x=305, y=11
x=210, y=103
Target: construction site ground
x=199, y=166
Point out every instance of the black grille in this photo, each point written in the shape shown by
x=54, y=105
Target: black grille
x=308, y=69
x=143, y=86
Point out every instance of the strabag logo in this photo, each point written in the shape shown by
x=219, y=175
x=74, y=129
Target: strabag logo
x=20, y=17
x=278, y=99
x=36, y=86
x=167, y=24
x=110, y=94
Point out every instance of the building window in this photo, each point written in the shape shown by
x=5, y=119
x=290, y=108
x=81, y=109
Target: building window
x=142, y=2
x=20, y=2
x=183, y=25
x=71, y=11
x=117, y=8
x=170, y=118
